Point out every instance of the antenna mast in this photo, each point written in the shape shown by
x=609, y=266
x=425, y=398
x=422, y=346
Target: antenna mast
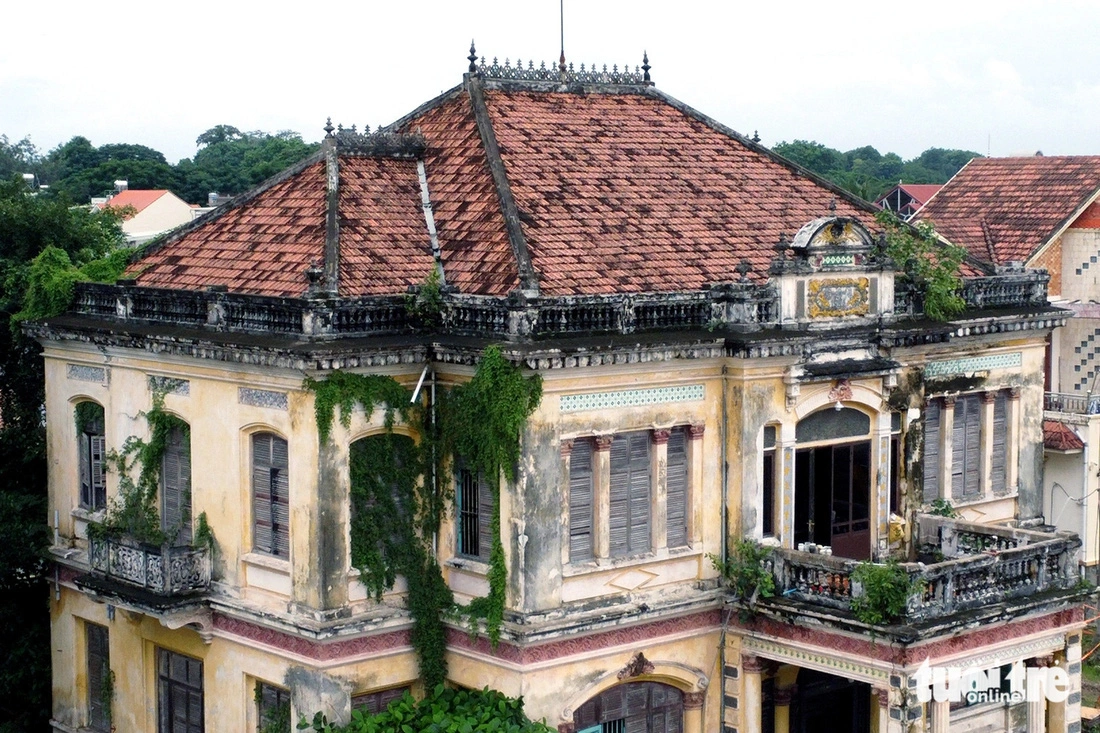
x=561, y=59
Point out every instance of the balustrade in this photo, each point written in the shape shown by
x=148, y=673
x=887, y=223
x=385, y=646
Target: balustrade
x=165, y=570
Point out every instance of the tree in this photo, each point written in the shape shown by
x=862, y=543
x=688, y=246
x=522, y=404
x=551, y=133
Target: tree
x=232, y=162
x=17, y=158
x=32, y=227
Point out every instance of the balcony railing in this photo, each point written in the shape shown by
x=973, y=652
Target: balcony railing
x=164, y=570
x=1078, y=404
x=981, y=565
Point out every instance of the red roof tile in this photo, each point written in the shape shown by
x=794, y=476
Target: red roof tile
x=136, y=199
x=1004, y=209
x=1059, y=436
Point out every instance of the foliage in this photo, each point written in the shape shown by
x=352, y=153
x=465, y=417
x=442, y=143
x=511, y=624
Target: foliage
x=885, y=590
x=927, y=262
x=867, y=173
x=426, y=304
x=444, y=711
x=396, y=508
x=51, y=276
x=133, y=513
x=107, y=696
x=745, y=570
x=204, y=534
x=942, y=508
x=231, y=162
x=87, y=416
x=273, y=719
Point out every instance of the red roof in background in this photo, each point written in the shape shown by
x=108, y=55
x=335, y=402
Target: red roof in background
x=616, y=190
x=1004, y=209
x=262, y=247
x=137, y=199
x=921, y=191
x=1059, y=436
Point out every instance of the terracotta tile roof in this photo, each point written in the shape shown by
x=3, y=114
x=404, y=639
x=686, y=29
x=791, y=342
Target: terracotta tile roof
x=137, y=199
x=262, y=246
x=1004, y=209
x=1059, y=436
x=384, y=244
x=921, y=191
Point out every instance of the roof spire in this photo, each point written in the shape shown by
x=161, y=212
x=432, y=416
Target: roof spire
x=756, y=136
x=832, y=206
x=472, y=58
x=645, y=66
x=328, y=128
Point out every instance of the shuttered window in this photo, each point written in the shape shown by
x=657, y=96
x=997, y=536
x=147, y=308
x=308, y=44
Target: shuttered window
x=630, y=489
x=475, y=515
x=767, y=524
x=272, y=708
x=580, y=500
x=677, y=488
x=175, y=485
x=93, y=447
x=377, y=702
x=931, y=464
x=179, y=693
x=998, y=475
x=966, y=453
x=99, y=673
x=270, y=495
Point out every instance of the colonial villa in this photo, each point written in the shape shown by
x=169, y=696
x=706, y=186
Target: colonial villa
x=726, y=353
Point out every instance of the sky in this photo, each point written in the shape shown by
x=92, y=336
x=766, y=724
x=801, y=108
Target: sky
x=1001, y=78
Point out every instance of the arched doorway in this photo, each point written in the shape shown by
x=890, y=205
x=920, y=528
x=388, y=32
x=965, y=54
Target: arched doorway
x=636, y=707
x=832, y=482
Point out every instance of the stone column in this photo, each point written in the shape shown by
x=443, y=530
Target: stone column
x=985, y=469
x=752, y=694
x=658, y=517
x=693, y=711
x=784, y=485
x=695, y=484
x=783, y=697
x=880, y=710
x=880, y=487
x=601, y=504
x=947, y=444
x=941, y=716
x=1057, y=719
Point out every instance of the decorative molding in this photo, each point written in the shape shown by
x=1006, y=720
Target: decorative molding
x=694, y=700
x=660, y=437
x=85, y=373
x=631, y=398
x=988, y=398
x=320, y=651
x=566, y=447
x=636, y=667
x=751, y=664
x=263, y=398
x=695, y=432
x=973, y=364
x=603, y=442
x=841, y=662
x=169, y=385
x=841, y=391
x=784, y=695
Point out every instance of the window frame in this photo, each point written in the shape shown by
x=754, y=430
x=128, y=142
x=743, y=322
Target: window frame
x=476, y=521
x=97, y=646
x=91, y=472
x=277, y=494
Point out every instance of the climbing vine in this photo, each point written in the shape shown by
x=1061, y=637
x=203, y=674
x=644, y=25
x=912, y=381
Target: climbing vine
x=133, y=513
x=929, y=263
x=398, y=494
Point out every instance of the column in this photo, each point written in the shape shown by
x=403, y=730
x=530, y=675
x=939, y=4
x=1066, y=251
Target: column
x=985, y=470
x=947, y=445
x=941, y=716
x=783, y=697
x=1037, y=708
x=566, y=449
x=784, y=484
x=880, y=710
x=752, y=693
x=658, y=516
x=1057, y=719
x=880, y=487
x=693, y=711
x=1012, y=469
x=695, y=483
x=601, y=505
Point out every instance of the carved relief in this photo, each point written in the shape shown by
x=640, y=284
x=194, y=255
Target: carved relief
x=835, y=297
x=637, y=666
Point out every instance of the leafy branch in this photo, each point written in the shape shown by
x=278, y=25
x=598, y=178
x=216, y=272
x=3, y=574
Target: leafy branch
x=927, y=262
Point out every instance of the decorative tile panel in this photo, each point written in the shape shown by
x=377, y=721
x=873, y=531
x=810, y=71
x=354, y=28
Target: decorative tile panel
x=838, y=260
x=631, y=398
x=973, y=364
x=262, y=398
x=87, y=373
x=836, y=297
x=170, y=385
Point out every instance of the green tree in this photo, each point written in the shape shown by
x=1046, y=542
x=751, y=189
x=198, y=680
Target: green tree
x=812, y=155
x=232, y=162
x=18, y=157
x=31, y=225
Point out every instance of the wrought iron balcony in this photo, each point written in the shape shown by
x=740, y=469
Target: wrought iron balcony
x=1077, y=404
x=162, y=570
x=970, y=566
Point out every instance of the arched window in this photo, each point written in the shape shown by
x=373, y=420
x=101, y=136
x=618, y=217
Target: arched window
x=175, y=486
x=384, y=476
x=270, y=495
x=92, y=447
x=636, y=707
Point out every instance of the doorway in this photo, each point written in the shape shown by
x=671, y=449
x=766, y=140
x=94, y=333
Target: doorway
x=824, y=703
x=832, y=498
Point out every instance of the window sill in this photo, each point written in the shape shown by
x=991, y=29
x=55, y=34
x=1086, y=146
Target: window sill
x=985, y=499
x=584, y=567
x=469, y=565
x=88, y=515
x=268, y=562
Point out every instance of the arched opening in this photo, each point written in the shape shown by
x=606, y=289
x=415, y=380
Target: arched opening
x=92, y=448
x=636, y=707
x=832, y=482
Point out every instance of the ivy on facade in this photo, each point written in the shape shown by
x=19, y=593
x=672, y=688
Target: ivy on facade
x=399, y=495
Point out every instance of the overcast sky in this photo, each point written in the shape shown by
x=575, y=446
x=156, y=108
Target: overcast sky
x=1003, y=77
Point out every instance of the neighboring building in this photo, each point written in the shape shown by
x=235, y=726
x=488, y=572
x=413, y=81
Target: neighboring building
x=154, y=213
x=1044, y=212
x=724, y=355
x=905, y=199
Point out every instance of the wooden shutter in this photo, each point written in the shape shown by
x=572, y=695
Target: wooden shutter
x=640, y=492
x=270, y=495
x=619, y=513
x=966, y=449
x=484, y=518
x=99, y=669
x=98, y=445
x=931, y=463
x=86, y=496
x=630, y=494
x=580, y=500
x=1000, y=444
x=175, y=481
x=677, y=489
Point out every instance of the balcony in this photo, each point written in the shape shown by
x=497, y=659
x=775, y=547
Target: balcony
x=970, y=568
x=164, y=571
x=1074, y=404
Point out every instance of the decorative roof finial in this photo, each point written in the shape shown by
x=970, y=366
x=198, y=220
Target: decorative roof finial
x=472, y=58
x=645, y=66
x=756, y=136
x=328, y=128
x=744, y=268
x=832, y=205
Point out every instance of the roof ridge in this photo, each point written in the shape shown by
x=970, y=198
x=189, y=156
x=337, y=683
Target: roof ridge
x=528, y=278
